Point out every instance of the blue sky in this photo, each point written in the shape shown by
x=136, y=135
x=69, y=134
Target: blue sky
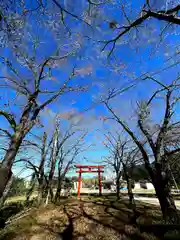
x=133, y=56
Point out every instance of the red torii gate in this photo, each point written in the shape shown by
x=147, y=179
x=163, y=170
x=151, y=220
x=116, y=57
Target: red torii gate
x=89, y=169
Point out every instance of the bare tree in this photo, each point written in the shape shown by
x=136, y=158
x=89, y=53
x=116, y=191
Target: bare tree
x=116, y=149
x=41, y=173
x=87, y=14
x=123, y=159
x=41, y=146
x=67, y=157
x=130, y=161
x=146, y=12
x=159, y=173
x=52, y=163
x=29, y=115
x=31, y=186
x=56, y=158
x=58, y=141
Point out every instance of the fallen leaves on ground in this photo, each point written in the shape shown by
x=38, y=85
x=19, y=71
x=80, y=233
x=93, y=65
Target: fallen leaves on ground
x=88, y=218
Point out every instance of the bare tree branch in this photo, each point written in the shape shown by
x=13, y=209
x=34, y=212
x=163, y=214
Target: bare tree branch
x=9, y=117
x=164, y=127
x=169, y=16
x=62, y=9
x=43, y=65
x=6, y=132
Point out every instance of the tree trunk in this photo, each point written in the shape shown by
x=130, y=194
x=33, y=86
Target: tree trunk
x=41, y=177
x=41, y=184
x=58, y=191
x=117, y=187
x=161, y=182
x=47, y=197
x=167, y=204
x=5, y=169
x=130, y=193
x=5, y=176
x=131, y=200
x=51, y=194
x=6, y=191
x=129, y=185
x=53, y=158
x=131, y=196
x=41, y=191
x=48, y=192
x=30, y=191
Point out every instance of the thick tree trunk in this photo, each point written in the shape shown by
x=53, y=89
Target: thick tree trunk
x=25, y=125
x=46, y=195
x=49, y=190
x=5, y=176
x=161, y=182
x=5, y=169
x=41, y=183
x=58, y=191
x=6, y=192
x=41, y=191
x=167, y=204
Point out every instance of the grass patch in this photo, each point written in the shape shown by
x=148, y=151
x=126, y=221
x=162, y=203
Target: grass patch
x=20, y=198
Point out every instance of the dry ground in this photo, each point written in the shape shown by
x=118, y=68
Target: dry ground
x=88, y=218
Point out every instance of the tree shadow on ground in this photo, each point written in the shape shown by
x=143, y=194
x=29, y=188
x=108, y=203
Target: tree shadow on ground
x=68, y=231
x=108, y=220
x=95, y=218
x=145, y=222
x=8, y=211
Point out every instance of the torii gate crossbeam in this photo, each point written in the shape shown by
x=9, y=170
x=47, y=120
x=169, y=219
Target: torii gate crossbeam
x=89, y=169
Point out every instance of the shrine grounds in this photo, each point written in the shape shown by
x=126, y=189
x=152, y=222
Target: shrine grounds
x=88, y=218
